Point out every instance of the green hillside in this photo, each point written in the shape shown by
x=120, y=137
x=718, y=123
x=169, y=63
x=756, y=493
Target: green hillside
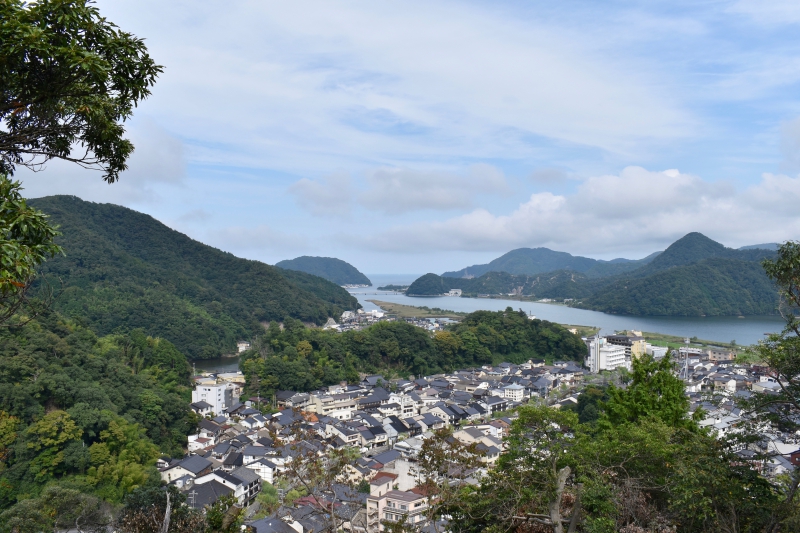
x=559, y=284
x=538, y=260
x=432, y=285
x=695, y=247
x=124, y=269
x=85, y=412
x=305, y=359
x=712, y=287
x=330, y=268
x=694, y=276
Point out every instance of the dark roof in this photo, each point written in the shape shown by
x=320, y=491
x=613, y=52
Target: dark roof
x=283, y=395
x=387, y=457
x=233, y=459
x=257, y=451
x=209, y=425
x=271, y=525
x=195, y=464
x=198, y=496
x=246, y=475
x=201, y=405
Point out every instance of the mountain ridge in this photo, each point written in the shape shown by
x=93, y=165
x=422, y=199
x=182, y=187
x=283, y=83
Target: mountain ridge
x=533, y=261
x=330, y=268
x=125, y=269
x=694, y=276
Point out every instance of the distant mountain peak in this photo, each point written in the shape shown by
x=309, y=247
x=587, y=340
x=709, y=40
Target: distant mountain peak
x=330, y=268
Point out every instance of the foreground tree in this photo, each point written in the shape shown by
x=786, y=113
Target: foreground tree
x=26, y=241
x=70, y=78
x=57, y=509
x=780, y=354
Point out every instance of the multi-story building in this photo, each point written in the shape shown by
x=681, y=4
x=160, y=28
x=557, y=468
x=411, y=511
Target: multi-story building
x=605, y=356
x=395, y=506
x=635, y=345
x=219, y=396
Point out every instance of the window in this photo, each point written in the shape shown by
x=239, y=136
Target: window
x=404, y=507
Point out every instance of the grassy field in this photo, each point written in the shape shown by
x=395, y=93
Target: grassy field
x=409, y=311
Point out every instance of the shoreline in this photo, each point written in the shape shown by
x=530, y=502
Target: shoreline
x=655, y=338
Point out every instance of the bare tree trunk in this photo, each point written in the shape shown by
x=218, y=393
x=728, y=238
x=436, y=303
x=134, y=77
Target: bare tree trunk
x=576, y=510
x=165, y=525
x=555, y=504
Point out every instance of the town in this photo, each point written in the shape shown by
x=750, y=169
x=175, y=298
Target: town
x=242, y=446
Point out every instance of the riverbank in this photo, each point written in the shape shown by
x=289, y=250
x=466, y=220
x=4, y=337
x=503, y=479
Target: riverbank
x=410, y=311
x=655, y=338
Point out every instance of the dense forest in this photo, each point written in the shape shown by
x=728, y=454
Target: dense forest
x=87, y=412
x=303, y=359
x=695, y=276
x=330, y=268
x=124, y=269
x=532, y=261
x=559, y=284
x=711, y=287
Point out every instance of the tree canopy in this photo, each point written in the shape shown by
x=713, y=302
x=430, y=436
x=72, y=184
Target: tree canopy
x=70, y=79
x=26, y=240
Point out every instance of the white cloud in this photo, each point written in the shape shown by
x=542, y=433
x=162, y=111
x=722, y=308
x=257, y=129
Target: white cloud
x=394, y=82
x=400, y=190
x=616, y=213
x=329, y=196
x=790, y=145
x=549, y=176
x=770, y=12
x=158, y=159
x=259, y=238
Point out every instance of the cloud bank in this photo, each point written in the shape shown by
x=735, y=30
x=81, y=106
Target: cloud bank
x=613, y=213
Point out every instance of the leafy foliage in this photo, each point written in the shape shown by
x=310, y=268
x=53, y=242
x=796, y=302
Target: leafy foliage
x=654, y=392
x=330, y=268
x=124, y=269
x=303, y=359
x=57, y=509
x=89, y=411
x=26, y=241
x=634, y=471
x=70, y=77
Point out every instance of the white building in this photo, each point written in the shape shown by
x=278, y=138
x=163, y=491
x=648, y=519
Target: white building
x=658, y=352
x=454, y=292
x=513, y=392
x=242, y=346
x=219, y=396
x=605, y=356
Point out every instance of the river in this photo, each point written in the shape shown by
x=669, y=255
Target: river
x=744, y=331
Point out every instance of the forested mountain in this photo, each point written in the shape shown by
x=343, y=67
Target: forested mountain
x=695, y=247
x=87, y=412
x=772, y=246
x=303, y=359
x=537, y=260
x=124, y=269
x=694, y=276
x=558, y=284
x=330, y=268
x=713, y=287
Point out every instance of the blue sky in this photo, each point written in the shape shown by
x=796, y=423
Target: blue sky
x=426, y=136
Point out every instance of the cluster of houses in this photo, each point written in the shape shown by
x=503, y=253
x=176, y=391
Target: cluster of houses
x=360, y=319
x=716, y=384
x=237, y=448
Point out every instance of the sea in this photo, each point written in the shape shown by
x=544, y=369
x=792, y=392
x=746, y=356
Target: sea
x=744, y=331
